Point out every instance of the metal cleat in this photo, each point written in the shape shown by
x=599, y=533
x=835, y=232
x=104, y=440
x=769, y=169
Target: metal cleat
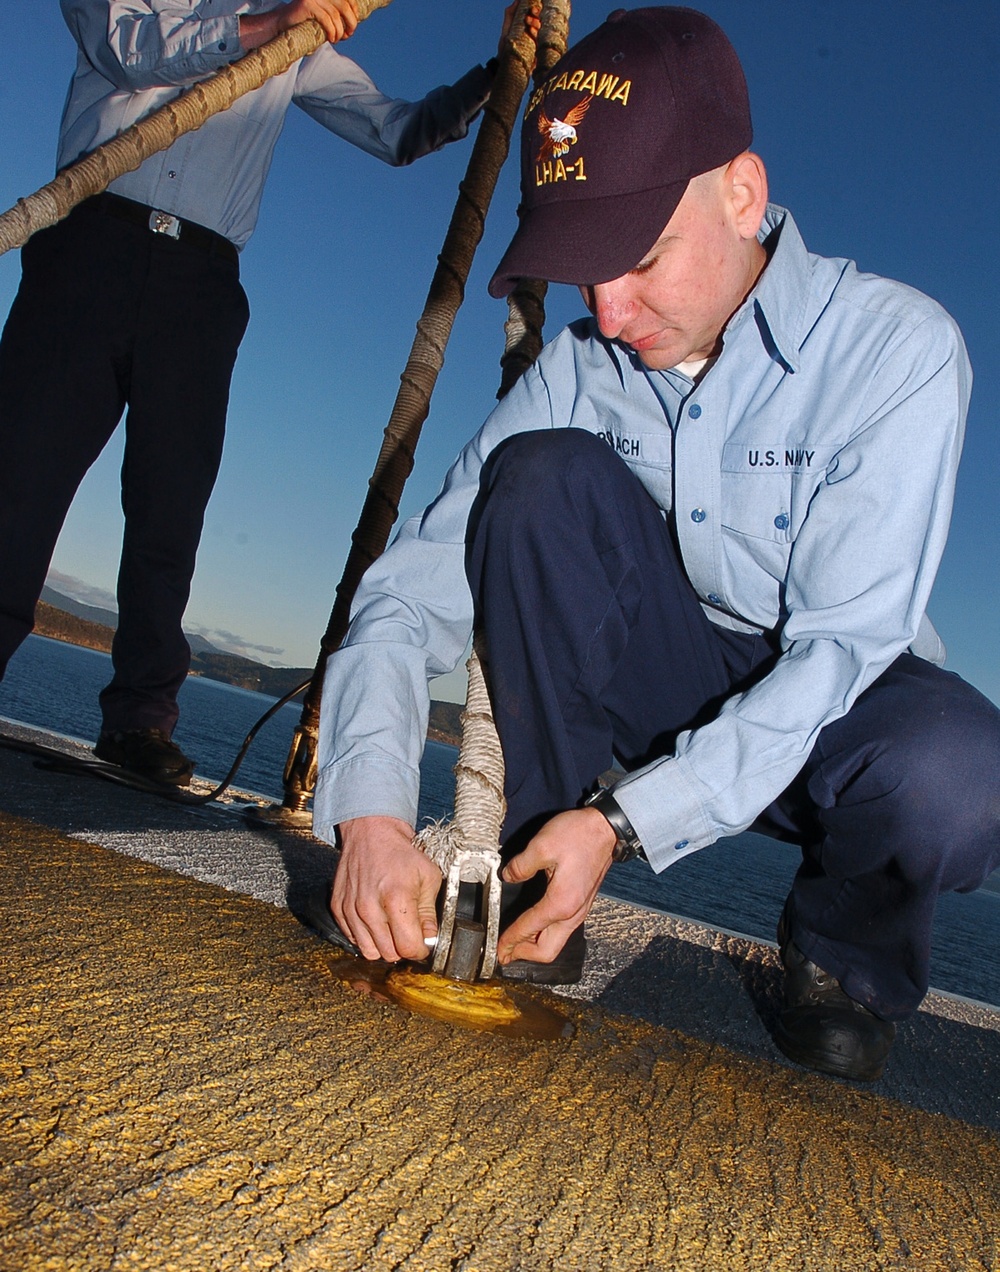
x=466, y=947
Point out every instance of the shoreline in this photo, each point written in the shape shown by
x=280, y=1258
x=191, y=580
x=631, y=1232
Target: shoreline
x=53, y=623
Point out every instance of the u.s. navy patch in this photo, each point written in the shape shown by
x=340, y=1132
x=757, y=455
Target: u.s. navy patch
x=779, y=456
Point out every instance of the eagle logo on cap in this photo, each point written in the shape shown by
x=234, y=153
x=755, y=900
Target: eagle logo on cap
x=560, y=134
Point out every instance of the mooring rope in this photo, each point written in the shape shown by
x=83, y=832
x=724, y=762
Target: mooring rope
x=526, y=303
x=412, y=404
x=160, y=129
x=480, y=805
x=479, y=799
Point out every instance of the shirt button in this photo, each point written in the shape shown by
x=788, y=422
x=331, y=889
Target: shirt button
x=781, y=521
x=695, y=411
x=171, y=174
x=716, y=600
x=222, y=46
x=681, y=845
x=698, y=515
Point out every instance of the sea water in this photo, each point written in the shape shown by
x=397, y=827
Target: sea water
x=738, y=884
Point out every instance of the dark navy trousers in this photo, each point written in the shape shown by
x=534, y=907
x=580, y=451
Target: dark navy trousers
x=109, y=316
x=598, y=650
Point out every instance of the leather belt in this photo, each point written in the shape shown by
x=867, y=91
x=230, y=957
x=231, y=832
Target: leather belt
x=168, y=225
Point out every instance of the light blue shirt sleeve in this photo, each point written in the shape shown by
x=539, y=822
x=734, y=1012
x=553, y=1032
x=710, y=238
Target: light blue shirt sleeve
x=809, y=476
x=341, y=97
x=137, y=46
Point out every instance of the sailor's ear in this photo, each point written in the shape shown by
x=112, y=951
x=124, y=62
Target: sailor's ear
x=746, y=189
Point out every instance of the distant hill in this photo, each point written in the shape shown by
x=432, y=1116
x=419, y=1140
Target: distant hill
x=108, y=618
x=91, y=613
x=53, y=622
x=445, y=722
x=61, y=618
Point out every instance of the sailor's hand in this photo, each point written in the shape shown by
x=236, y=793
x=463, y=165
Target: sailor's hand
x=338, y=18
x=532, y=24
x=385, y=893
x=574, y=849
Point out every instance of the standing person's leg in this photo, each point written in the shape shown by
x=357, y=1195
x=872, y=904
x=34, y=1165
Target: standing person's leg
x=898, y=803
x=193, y=316
x=64, y=361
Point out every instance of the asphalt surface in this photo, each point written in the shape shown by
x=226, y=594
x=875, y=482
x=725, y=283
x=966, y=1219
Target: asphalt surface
x=187, y=1082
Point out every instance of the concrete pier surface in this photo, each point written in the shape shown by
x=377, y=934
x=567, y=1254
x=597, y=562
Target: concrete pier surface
x=185, y=1083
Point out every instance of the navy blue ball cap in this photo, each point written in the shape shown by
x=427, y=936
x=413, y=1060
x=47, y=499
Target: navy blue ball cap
x=612, y=137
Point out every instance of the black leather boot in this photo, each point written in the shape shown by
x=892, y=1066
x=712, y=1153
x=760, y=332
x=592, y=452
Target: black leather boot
x=821, y=1028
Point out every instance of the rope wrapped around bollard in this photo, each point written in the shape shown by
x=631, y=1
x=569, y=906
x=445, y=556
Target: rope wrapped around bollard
x=467, y=849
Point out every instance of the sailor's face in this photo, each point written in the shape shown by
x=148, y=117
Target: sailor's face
x=673, y=306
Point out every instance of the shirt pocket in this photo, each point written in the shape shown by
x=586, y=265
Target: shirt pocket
x=766, y=490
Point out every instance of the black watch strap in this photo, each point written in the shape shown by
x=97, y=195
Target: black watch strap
x=628, y=845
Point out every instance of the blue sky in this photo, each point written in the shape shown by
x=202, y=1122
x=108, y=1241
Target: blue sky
x=878, y=124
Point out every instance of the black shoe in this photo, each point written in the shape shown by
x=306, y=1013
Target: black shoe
x=565, y=969
x=821, y=1028
x=146, y=752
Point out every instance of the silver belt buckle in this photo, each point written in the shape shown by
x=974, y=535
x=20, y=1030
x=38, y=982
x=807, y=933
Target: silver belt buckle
x=165, y=223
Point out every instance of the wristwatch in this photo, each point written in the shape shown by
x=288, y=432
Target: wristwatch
x=628, y=845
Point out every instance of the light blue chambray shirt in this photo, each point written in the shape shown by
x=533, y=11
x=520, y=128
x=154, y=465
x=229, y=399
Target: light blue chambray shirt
x=133, y=57
x=810, y=474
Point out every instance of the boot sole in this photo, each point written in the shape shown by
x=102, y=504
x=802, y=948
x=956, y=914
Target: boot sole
x=833, y=1063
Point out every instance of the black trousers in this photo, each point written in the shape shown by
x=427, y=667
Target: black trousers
x=110, y=316
x=598, y=649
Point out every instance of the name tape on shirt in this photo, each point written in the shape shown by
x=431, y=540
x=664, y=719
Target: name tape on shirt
x=780, y=456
